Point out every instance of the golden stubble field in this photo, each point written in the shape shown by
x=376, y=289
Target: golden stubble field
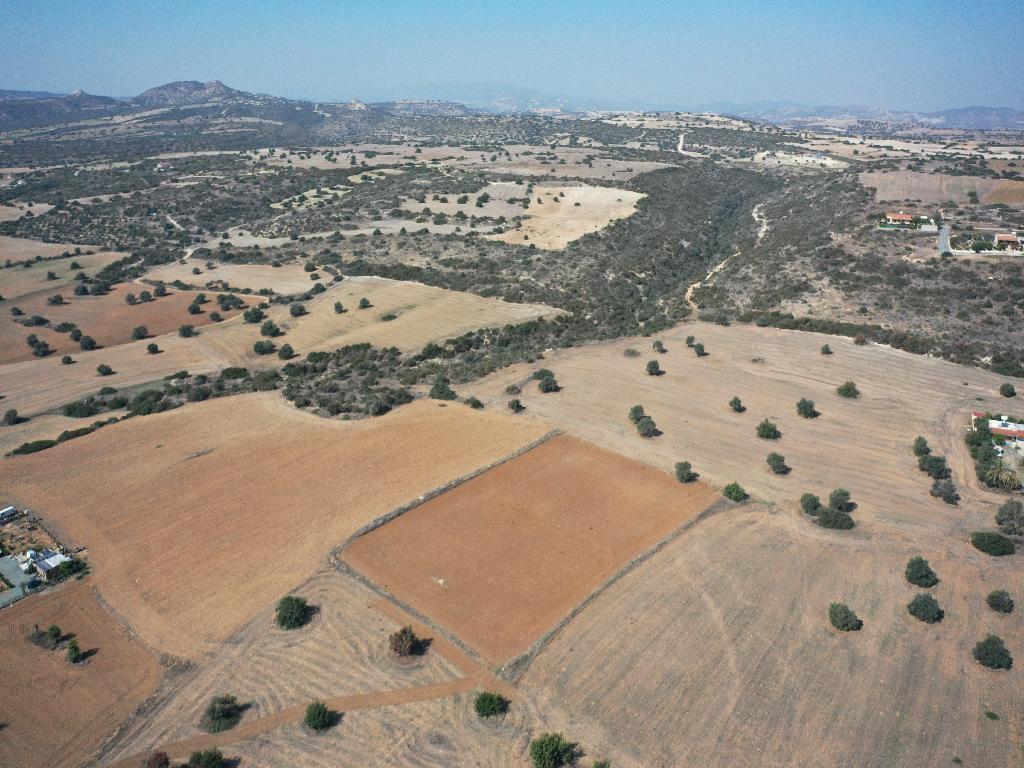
x=197, y=519
x=421, y=314
x=934, y=188
x=19, y=280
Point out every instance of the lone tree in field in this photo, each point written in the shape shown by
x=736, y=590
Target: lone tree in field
x=222, y=714
x=991, y=652
x=848, y=389
x=994, y=544
x=826, y=349
x=839, y=500
x=552, y=750
x=653, y=369
x=546, y=381
x=140, y=332
x=805, y=408
x=1000, y=601
x=698, y=350
x=734, y=492
x=767, y=430
x=659, y=347
x=10, y=418
x=292, y=612
x=489, y=704
x=926, y=608
x=777, y=464
x=919, y=573
x=646, y=427
x=810, y=504
x=737, y=405
x=364, y=303
x=1007, y=390
x=104, y=370
x=318, y=717
x=689, y=341
x=405, y=643
x=921, y=447
x=843, y=618
x=685, y=473
x=74, y=652
x=339, y=308
x=636, y=413
x=441, y=389
x=153, y=349
x=516, y=406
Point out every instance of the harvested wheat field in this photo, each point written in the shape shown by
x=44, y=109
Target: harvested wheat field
x=14, y=211
x=421, y=314
x=197, y=518
x=938, y=188
x=862, y=444
x=109, y=319
x=19, y=280
x=503, y=557
x=46, y=427
x=341, y=652
x=288, y=278
x=55, y=713
x=559, y=215
x=718, y=652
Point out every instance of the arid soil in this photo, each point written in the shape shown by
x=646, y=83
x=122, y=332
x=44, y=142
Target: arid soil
x=288, y=278
x=938, y=188
x=197, y=519
x=18, y=280
x=55, y=713
x=500, y=559
x=559, y=215
x=421, y=314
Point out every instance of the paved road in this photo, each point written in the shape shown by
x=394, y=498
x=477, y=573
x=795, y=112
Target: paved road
x=944, y=240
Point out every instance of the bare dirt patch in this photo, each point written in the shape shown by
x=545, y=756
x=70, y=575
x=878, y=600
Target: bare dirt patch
x=938, y=188
x=54, y=713
x=196, y=519
x=501, y=558
x=555, y=219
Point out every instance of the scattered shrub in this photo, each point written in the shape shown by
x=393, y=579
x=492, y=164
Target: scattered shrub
x=737, y=405
x=339, y=308
x=839, y=500
x=474, y=403
x=810, y=504
x=441, y=389
x=489, y=704
x=263, y=347
x=297, y=310
x=826, y=349
x=512, y=389
x=140, y=332
x=843, y=618
x=767, y=430
x=991, y=652
x=548, y=384
x=919, y=573
x=404, y=643
x=933, y=465
x=636, y=413
x=805, y=408
x=1007, y=390
x=684, y=472
x=157, y=760
x=734, y=492
x=292, y=612
x=848, y=389
x=552, y=750
x=834, y=519
x=1010, y=518
x=945, y=490
x=286, y=352
x=777, y=464
x=698, y=349
x=104, y=370
x=653, y=369
x=1000, y=600
x=364, y=303
x=646, y=427
x=994, y=544
x=659, y=347
x=318, y=717
x=152, y=349
x=926, y=608
x=186, y=331
x=921, y=447
x=208, y=758
x=74, y=653
x=222, y=714
x=516, y=406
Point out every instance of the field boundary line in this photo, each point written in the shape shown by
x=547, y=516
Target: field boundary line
x=514, y=669
x=336, y=560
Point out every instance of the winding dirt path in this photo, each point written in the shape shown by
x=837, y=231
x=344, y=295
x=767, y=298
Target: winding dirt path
x=761, y=232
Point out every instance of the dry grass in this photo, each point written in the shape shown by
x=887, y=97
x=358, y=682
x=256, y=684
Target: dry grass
x=20, y=281
x=288, y=278
x=938, y=188
x=423, y=314
x=54, y=713
x=500, y=559
x=196, y=519
x=553, y=224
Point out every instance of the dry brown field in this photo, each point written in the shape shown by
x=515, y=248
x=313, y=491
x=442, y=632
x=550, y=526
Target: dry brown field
x=43, y=428
x=553, y=225
x=196, y=519
x=718, y=652
x=19, y=210
x=501, y=558
x=938, y=188
x=109, y=319
x=20, y=281
x=54, y=713
x=20, y=248
x=423, y=314
x=288, y=278
x=341, y=652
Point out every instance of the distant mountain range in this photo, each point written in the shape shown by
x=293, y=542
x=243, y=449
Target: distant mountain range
x=35, y=108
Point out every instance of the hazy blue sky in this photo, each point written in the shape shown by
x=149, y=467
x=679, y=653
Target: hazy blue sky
x=916, y=55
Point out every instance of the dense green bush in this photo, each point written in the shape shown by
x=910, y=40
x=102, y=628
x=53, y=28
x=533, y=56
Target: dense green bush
x=292, y=612
x=734, y=492
x=805, y=408
x=318, y=717
x=698, y=350
x=222, y=714
x=848, y=389
x=548, y=384
x=737, y=405
x=994, y=544
x=404, y=642
x=921, y=447
x=839, y=500
x=1007, y=390
x=991, y=652
x=208, y=758
x=933, y=465
x=653, y=369
x=777, y=464
x=659, y=347
x=926, y=608
x=489, y=704
x=104, y=370
x=264, y=347
x=636, y=413
x=646, y=427
x=810, y=504
x=834, y=519
x=552, y=750
x=441, y=389
x=1000, y=600
x=826, y=349
x=767, y=430
x=516, y=406
x=1010, y=518
x=919, y=573
x=843, y=618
